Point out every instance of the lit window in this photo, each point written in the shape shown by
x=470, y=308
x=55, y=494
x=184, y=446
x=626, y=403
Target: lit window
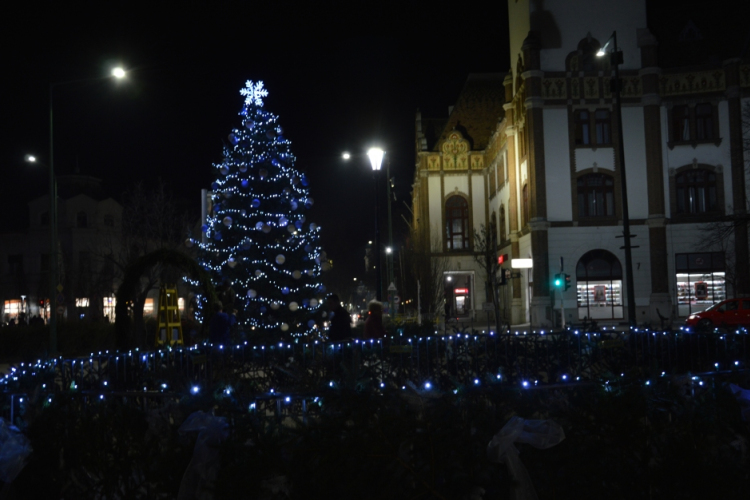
x=108, y=308
x=148, y=307
x=82, y=302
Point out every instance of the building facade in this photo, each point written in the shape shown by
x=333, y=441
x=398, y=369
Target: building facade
x=544, y=173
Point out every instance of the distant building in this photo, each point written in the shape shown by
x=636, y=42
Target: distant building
x=532, y=154
x=90, y=241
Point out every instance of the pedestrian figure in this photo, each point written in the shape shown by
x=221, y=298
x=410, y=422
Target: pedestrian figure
x=340, y=323
x=374, y=322
x=220, y=324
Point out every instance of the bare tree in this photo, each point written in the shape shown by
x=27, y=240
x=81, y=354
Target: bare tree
x=428, y=268
x=485, y=244
x=151, y=220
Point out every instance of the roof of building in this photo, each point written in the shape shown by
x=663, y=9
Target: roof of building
x=477, y=111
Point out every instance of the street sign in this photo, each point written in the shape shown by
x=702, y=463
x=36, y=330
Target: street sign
x=396, y=299
x=391, y=287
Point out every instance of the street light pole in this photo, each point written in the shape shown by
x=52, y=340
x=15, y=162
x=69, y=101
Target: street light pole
x=616, y=58
x=376, y=160
x=389, y=255
x=117, y=73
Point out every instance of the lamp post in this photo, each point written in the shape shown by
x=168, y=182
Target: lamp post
x=616, y=59
x=376, y=160
x=117, y=73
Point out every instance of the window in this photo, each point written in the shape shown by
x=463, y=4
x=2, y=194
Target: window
x=493, y=231
x=704, y=122
x=596, y=196
x=583, y=128
x=502, y=224
x=44, y=219
x=493, y=185
x=600, y=122
x=82, y=219
x=15, y=264
x=696, y=192
x=694, y=124
x=599, y=286
x=457, y=223
x=700, y=281
x=681, y=123
x=603, y=133
x=522, y=141
x=525, y=204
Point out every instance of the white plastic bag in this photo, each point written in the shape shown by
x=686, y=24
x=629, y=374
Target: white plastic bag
x=540, y=434
x=200, y=476
x=14, y=448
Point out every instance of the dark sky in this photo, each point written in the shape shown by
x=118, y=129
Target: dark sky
x=341, y=77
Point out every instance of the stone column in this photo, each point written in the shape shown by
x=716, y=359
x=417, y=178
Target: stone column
x=517, y=307
x=540, y=299
x=739, y=197
x=650, y=72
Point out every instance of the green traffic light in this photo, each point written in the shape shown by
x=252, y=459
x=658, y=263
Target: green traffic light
x=558, y=282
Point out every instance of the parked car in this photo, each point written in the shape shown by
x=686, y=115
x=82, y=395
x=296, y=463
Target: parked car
x=732, y=312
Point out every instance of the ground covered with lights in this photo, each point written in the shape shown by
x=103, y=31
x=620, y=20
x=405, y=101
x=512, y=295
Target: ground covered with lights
x=410, y=416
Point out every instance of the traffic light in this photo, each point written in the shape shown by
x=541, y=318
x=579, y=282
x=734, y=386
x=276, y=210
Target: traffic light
x=558, y=281
x=566, y=281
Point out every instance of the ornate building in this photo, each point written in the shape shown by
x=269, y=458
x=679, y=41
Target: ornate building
x=533, y=155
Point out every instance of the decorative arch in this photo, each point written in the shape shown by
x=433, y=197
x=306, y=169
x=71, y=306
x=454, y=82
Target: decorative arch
x=133, y=274
x=584, y=58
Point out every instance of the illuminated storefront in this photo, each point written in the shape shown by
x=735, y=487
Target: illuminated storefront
x=700, y=281
x=599, y=286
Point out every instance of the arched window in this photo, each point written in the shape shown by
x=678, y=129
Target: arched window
x=502, y=224
x=596, y=195
x=457, y=223
x=493, y=231
x=696, y=192
x=599, y=286
x=82, y=219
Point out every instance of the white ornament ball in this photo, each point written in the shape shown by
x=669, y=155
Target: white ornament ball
x=189, y=242
x=313, y=302
x=266, y=228
x=227, y=221
x=280, y=259
x=296, y=274
x=231, y=262
x=291, y=228
x=274, y=305
x=293, y=306
x=284, y=327
x=258, y=273
x=313, y=226
x=309, y=272
x=252, y=293
x=325, y=266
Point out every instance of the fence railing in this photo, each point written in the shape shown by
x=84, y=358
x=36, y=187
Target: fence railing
x=440, y=361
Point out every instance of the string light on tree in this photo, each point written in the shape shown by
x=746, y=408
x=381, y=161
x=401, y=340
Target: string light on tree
x=258, y=236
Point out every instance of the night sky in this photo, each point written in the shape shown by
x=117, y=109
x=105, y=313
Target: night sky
x=341, y=77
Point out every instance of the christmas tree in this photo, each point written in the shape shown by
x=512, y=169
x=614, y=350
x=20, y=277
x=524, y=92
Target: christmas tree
x=257, y=236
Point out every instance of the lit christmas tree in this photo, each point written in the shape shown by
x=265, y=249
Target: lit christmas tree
x=258, y=237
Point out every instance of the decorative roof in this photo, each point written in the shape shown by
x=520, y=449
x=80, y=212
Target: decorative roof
x=477, y=111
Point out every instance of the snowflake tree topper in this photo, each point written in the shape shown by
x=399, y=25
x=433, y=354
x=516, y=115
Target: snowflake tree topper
x=254, y=93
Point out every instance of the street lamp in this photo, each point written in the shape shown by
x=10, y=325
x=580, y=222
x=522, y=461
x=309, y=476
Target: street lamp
x=616, y=85
x=117, y=73
x=376, y=160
